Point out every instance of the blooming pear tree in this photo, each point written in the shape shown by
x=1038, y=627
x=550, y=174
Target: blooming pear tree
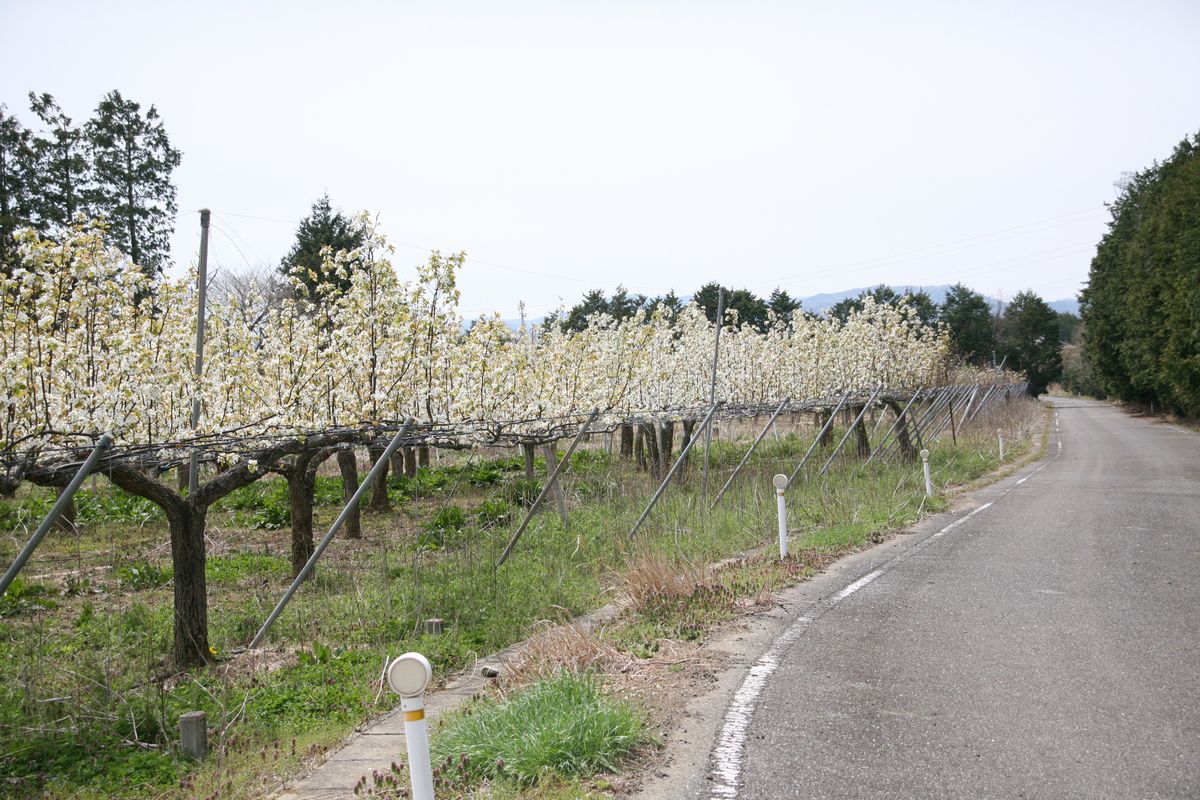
x=89, y=344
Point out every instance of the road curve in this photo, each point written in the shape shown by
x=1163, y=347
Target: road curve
x=1047, y=645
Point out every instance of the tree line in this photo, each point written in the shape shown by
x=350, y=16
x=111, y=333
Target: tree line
x=1141, y=307
x=1026, y=334
x=115, y=166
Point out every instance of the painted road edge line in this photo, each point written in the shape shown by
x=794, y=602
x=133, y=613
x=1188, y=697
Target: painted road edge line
x=729, y=754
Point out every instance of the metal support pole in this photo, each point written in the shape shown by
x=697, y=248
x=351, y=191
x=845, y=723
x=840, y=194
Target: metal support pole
x=892, y=429
x=201, y=296
x=817, y=441
x=850, y=430
x=671, y=473
x=970, y=404
x=55, y=511
x=367, y=483
x=750, y=452
x=938, y=424
x=984, y=401
x=558, y=468
x=934, y=414
x=712, y=393
x=934, y=424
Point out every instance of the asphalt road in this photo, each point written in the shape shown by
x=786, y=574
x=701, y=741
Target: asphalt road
x=1048, y=646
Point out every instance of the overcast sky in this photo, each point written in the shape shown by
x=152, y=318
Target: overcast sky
x=812, y=146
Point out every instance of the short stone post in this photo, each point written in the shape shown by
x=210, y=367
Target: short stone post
x=193, y=735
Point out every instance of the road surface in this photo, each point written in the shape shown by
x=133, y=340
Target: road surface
x=1045, y=645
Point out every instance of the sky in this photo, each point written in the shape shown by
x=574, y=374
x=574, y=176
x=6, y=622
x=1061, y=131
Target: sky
x=572, y=146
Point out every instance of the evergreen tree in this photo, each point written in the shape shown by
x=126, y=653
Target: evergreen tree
x=751, y=310
x=1141, y=307
x=1029, y=339
x=593, y=302
x=782, y=304
x=670, y=301
x=322, y=228
x=922, y=304
x=132, y=161
x=969, y=321
x=882, y=294
x=60, y=169
x=15, y=167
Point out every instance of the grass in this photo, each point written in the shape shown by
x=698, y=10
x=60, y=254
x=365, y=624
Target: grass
x=563, y=727
x=89, y=708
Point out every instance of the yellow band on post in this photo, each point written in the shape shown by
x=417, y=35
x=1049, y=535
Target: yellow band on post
x=414, y=716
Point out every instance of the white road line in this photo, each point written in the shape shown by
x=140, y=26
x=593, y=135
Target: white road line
x=858, y=584
x=729, y=755
x=1182, y=430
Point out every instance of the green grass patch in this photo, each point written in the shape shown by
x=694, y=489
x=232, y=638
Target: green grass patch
x=564, y=727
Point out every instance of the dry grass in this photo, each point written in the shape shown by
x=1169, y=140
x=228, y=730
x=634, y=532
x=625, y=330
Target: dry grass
x=558, y=648
x=653, y=577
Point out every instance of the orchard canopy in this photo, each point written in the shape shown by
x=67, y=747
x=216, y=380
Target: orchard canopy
x=90, y=344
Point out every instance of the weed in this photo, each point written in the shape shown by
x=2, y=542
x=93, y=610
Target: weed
x=493, y=511
x=564, y=726
x=138, y=575
x=22, y=596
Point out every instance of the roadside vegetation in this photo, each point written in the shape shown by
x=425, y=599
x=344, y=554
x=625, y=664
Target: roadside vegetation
x=89, y=707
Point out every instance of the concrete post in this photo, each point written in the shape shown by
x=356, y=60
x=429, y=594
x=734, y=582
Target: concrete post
x=193, y=735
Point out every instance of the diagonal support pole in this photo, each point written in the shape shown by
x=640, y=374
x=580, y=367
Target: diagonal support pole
x=55, y=511
x=749, y=453
x=850, y=430
x=558, y=468
x=674, y=468
x=367, y=482
x=812, y=448
x=892, y=429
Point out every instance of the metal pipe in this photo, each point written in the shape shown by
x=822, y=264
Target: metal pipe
x=850, y=430
x=749, y=453
x=937, y=423
x=986, y=400
x=943, y=402
x=55, y=511
x=817, y=441
x=890, y=430
x=671, y=473
x=367, y=482
x=558, y=468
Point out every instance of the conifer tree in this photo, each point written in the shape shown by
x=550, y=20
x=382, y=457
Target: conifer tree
x=132, y=160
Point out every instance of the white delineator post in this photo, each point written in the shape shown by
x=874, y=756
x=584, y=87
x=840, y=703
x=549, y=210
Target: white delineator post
x=781, y=482
x=925, y=469
x=408, y=676
x=1000, y=436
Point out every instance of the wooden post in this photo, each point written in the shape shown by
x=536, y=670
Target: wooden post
x=348, y=466
x=550, y=453
x=527, y=451
x=410, y=462
x=626, y=442
x=379, y=496
x=423, y=456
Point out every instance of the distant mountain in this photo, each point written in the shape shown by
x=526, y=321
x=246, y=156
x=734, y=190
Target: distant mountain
x=819, y=303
